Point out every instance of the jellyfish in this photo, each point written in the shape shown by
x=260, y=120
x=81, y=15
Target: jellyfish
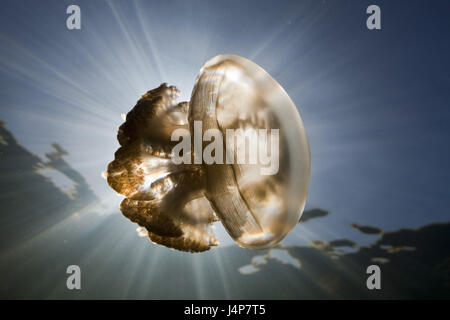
x=240, y=109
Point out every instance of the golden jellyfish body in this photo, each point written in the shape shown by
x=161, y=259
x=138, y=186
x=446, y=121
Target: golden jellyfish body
x=259, y=184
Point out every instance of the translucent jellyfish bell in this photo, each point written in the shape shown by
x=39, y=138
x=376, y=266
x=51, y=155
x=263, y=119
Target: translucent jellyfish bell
x=256, y=185
x=257, y=207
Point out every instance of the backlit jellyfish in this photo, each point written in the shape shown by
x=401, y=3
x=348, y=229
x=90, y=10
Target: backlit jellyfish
x=236, y=153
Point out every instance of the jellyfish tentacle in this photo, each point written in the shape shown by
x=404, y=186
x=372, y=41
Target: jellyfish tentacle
x=161, y=196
